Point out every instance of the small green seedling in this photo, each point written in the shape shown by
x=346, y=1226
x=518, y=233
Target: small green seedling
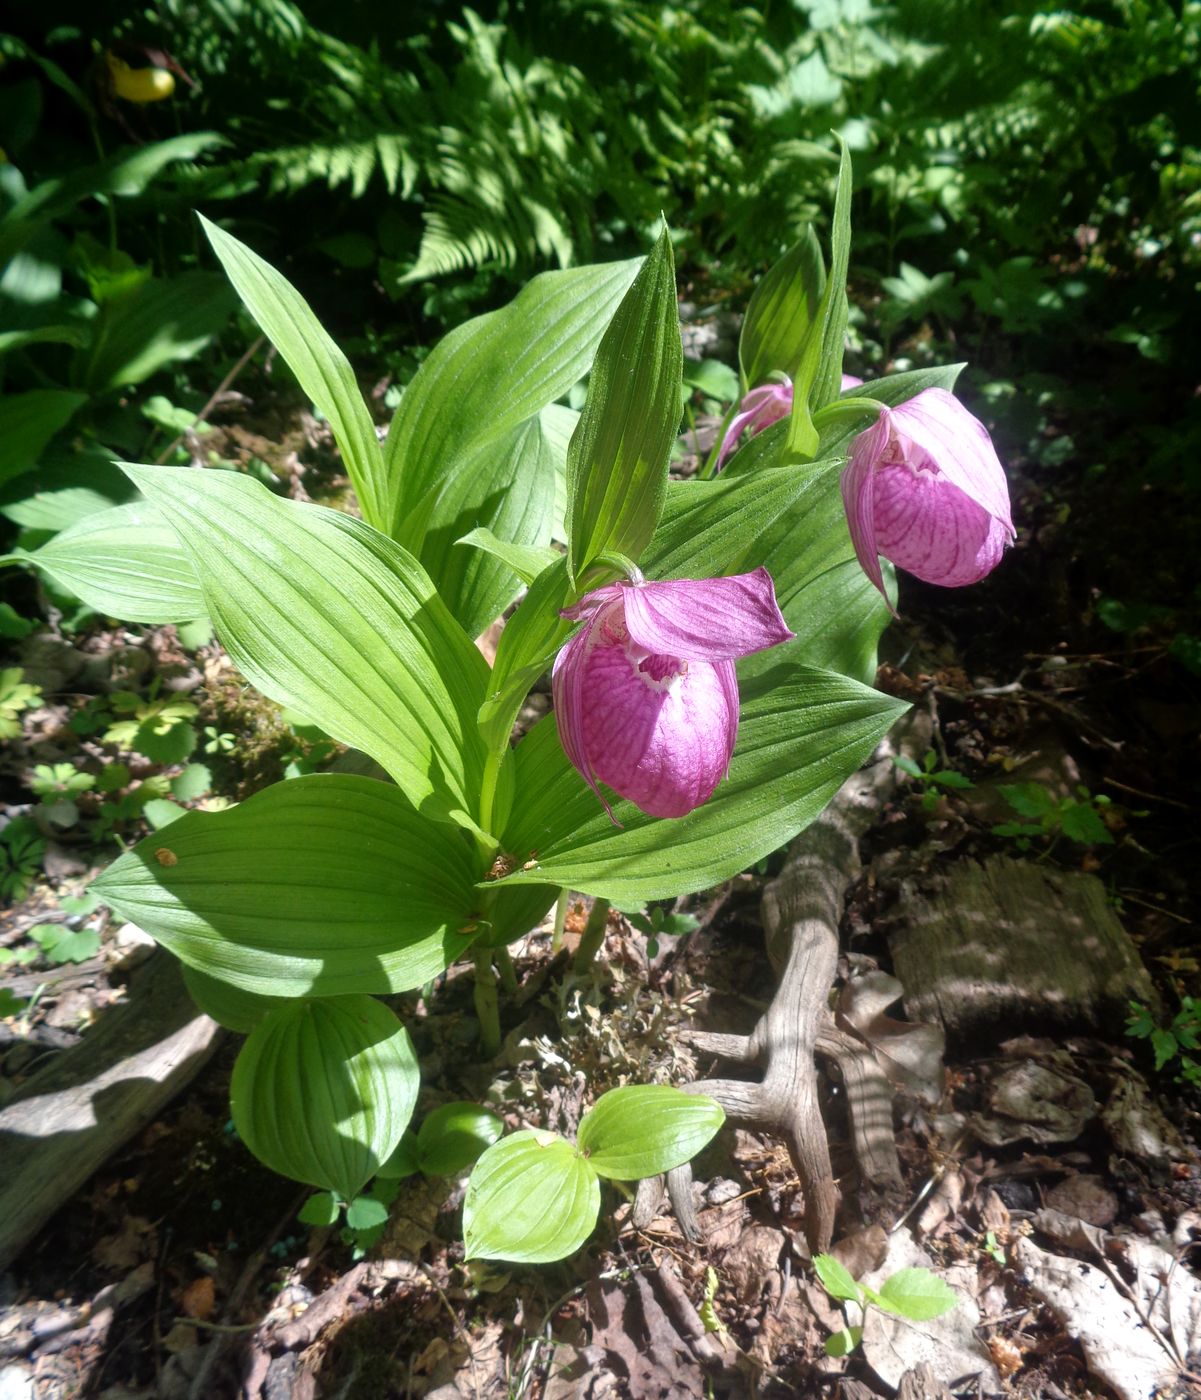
x=657, y=923
x=1169, y=1042
x=218, y=740
x=916, y=1294
x=993, y=1249
x=58, y=784
x=21, y=848
x=159, y=728
x=365, y=1216
x=16, y=695
x=707, y=1312
x=1078, y=818
x=936, y=781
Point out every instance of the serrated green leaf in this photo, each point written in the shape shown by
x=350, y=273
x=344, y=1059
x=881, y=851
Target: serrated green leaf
x=918, y=1294
x=327, y=884
x=490, y=375
x=322, y=1091
x=531, y=1199
x=322, y=369
x=617, y=460
x=321, y=1209
x=193, y=782
x=323, y=613
x=836, y=1279
x=454, y=1136
x=802, y=733
x=1080, y=821
x=62, y=944
x=644, y=1129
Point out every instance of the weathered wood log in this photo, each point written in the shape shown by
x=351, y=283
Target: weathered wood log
x=1015, y=943
x=68, y=1119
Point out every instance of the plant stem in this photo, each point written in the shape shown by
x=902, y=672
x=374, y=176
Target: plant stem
x=556, y=938
x=508, y=974
x=593, y=935
x=487, y=1004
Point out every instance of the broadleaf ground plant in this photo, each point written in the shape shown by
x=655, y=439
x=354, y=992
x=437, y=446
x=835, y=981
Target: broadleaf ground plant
x=711, y=640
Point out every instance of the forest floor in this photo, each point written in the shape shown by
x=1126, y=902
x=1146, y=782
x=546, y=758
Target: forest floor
x=1051, y=1172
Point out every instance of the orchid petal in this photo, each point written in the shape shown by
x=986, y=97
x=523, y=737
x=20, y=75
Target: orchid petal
x=849, y=381
x=958, y=446
x=857, y=483
x=591, y=602
x=761, y=407
x=715, y=619
x=567, y=689
x=927, y=525
x=665, y=744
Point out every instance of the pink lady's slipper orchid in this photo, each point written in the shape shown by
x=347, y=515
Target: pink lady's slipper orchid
x=646, y=698
x=924, y=488
x=762, y=407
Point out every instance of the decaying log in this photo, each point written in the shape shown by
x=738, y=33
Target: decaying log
x=1018, y=944
x=67, y=1120
x=802, y=910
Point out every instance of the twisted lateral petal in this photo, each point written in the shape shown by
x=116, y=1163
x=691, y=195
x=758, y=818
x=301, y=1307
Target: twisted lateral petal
x=957, y=445
x=659, y=734
x=761, y=407
x=857, y=481
x=712, y=619
x=567, y=691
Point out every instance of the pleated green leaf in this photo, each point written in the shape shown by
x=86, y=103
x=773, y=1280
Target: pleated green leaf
x=126, y=562
x=325, y=614
x=322, y=369
x=644, y=1129
x=322, y=1091
x=617, y=460
x=232, y=1007
x=454, y=1136
x=323, y=885
x=781, y=312
x=491, y=374
x=531, y=1199
x=802, y=733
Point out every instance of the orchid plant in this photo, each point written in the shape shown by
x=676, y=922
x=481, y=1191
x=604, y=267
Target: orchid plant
x=713, y=643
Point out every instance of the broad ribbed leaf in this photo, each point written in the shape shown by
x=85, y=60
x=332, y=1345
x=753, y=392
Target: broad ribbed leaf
x=617, y=461
x=489, y=375
x=157, y=323
x=232, y=1007
x=454, y=1136
x=525, y=560
x=322, y=369
x=126, y=562
x=508, y=488
x=781, y=312
x=65, y=489
x=531, y=1199
x=322, y=1091
x=644, y=1129
x=325, y=614
x=325, y=885
x=803, y=732
x=27, y=423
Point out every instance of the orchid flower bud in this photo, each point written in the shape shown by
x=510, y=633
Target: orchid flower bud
x=646, y=697
x=763, y=406
x=925, y=489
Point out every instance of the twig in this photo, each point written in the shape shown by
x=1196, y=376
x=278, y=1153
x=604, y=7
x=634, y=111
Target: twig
x=221, y=388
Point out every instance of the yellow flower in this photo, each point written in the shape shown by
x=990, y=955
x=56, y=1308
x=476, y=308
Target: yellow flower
x=139, y=84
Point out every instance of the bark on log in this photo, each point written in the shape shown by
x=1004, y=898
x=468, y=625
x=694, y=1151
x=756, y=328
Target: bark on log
x=1018, y=944
x=66, y=1121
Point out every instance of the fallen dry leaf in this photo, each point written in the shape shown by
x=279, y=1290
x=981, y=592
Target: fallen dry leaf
x=198, y=1299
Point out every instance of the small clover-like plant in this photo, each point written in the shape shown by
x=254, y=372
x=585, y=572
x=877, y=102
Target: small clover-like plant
x=916, y=1294
x=934, y=780
x=657, y=923
x=16, y=696
x=534, y=1196
x=1181, y=1034
x=1079, y=818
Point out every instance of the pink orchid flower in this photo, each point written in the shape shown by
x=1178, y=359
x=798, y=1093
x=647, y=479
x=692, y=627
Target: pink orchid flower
x=646, y=698
x=925, y=489
x=763, y=406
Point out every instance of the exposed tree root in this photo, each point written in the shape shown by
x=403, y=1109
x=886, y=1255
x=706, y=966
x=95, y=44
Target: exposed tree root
x=802, y=910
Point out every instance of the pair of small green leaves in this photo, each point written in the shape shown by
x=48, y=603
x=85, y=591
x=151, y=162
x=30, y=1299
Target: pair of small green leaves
x=916, y=1294
x=449, y=1140
x=534, y=1197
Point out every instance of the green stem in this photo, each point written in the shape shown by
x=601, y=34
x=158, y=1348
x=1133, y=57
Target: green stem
x=593, y=935
x=710, y=464
x=487, y=1003
x=488, y=788
x=556, y=938
x=508, y=974
x=859, y=407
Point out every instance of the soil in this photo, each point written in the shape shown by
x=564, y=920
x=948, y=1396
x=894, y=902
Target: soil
x=181, y=1269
